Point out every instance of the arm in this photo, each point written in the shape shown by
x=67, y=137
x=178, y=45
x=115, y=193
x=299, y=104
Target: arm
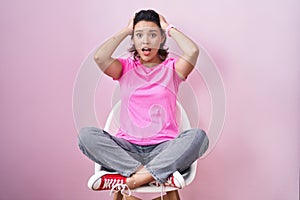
x=103, y=55
x=185, y=64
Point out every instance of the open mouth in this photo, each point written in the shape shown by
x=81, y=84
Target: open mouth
x=146, y=51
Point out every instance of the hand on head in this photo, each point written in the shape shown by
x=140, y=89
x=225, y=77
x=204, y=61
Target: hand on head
x=163, y=22
x=130, y=26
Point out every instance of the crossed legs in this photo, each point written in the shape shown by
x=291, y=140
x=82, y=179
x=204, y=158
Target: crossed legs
x=139, y=164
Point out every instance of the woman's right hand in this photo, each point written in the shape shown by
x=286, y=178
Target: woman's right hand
x=130, y=26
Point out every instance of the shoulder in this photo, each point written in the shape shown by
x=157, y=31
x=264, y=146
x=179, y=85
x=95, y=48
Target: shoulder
x=170, y=62
x=126, y=61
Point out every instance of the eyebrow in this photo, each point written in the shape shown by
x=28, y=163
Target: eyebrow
x=142, y=30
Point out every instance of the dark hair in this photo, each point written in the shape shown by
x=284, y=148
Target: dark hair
x=151, y=16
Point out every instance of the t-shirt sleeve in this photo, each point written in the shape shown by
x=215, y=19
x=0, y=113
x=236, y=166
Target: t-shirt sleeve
x=177, y=78
x=124, y=62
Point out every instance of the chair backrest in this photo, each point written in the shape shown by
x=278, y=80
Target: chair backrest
x=112, y=124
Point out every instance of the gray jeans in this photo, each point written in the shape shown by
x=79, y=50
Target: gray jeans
x=161, y=160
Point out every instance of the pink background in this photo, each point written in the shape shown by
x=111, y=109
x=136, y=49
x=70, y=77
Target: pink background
x=255, y=45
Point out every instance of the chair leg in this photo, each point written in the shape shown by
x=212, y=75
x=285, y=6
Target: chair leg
x=131, y=198
x=172, y=195
x=119, y=196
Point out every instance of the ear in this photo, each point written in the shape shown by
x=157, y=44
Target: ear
x=131, y=41
x=163, y=39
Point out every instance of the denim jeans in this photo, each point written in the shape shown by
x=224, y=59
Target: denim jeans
x=161, y=160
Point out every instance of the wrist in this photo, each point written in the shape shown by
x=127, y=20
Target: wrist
x=168, y=28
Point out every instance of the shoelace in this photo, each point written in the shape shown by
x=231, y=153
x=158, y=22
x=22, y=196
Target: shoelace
x=162, y=186
x=121, y=188
x=109, y=183
x=167, y=183
x=162, y=191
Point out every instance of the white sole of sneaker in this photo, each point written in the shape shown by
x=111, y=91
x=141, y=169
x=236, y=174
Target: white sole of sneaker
x=180, y=182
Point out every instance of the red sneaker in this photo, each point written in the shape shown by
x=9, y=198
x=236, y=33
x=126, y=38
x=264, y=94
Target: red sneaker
x=176, y=180
x=106, y=180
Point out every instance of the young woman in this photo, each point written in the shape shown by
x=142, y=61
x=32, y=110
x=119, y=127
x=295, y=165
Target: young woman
x=148, y=146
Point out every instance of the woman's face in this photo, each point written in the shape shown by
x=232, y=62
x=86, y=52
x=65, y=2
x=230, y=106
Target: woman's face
x=147, y=39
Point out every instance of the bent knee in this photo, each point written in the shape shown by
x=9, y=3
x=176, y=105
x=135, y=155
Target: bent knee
x=86, y=133
x=202, y=140
x=199, y=133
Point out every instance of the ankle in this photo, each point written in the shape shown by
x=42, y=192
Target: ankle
x=131, y=183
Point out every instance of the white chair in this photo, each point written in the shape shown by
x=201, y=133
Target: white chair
x=112, y=124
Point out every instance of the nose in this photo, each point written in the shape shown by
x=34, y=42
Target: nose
x=145, y=39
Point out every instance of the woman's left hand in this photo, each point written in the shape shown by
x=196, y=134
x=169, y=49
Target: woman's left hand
x=163, y=22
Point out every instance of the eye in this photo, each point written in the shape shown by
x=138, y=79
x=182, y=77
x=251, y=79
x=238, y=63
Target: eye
x=153, y=35
x=138, y=35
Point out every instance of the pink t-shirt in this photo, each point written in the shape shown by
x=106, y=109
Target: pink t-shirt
x=148, y=102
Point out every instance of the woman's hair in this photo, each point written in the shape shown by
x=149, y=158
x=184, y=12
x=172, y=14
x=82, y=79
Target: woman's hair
x=150, y=16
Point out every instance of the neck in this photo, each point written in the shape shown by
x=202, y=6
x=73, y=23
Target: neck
x=151, y=63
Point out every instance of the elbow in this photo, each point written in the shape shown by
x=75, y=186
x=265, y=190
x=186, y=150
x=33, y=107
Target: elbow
x=192, y=55
x=100, y=61
x=195, y=51
x=192, y=52
x=97, y=59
